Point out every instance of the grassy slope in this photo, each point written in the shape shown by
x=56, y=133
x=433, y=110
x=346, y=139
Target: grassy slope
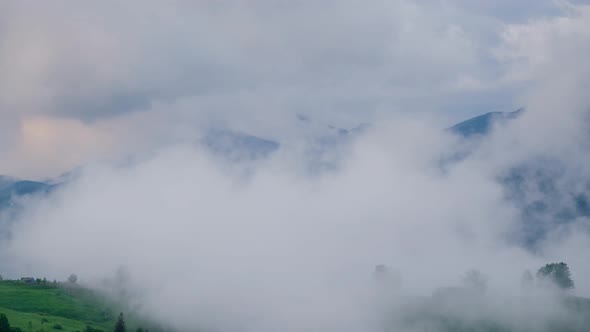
x=42, y=322
x=73, y=308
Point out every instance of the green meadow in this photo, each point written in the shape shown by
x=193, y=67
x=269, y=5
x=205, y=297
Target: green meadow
x=52, y=307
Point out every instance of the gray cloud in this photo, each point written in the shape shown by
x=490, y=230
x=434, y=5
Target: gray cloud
x=276, y=249
x=98, y=60
x=247, y=65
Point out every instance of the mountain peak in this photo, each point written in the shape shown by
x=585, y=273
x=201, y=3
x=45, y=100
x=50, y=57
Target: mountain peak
x=483, y=124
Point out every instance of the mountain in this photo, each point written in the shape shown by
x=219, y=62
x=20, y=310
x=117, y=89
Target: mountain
x=547, y=191
x=11, y=189
x=483, y=124
x=236, y=146
x=540, y=189
x=472, y=131
x=320, y=139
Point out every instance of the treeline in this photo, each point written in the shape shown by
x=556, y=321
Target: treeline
x=72, y=279
x=553, y=275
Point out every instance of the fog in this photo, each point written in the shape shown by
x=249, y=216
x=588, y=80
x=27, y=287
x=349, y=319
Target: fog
x=266, y=245
x=207, y=246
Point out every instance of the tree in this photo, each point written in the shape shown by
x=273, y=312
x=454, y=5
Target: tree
x=120, y=326
x=557, y=273
x=4, y=325
x=73, y=278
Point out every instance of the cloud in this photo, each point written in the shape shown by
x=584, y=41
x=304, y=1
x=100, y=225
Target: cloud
x=206, y=247
x=251, y=65
x=275, y=249
x=91, y=61
x=57, y=144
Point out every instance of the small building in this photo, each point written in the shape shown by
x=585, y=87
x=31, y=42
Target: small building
x=28, y=280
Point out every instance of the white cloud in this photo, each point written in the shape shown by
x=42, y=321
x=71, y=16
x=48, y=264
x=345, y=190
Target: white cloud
x=277, y=249
x=249, y=64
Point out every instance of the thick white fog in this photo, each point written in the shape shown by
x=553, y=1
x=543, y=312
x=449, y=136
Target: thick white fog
x=267, y=245
x=206, y=246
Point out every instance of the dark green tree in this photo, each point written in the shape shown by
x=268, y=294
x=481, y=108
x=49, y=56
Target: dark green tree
x=557, y=273
x=120, y=326
x=4, y=325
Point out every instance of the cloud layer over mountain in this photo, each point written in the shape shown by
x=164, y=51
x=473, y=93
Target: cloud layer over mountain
x=129, y=90
x=77, y=76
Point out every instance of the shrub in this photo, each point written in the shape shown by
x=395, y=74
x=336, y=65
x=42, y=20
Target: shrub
x=72, y=278
x=4, y=325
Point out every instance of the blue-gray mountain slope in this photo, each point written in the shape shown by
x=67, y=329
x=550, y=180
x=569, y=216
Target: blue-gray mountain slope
x=11, y=189
x=546, y=190
x=540, y=188
x=483, y=124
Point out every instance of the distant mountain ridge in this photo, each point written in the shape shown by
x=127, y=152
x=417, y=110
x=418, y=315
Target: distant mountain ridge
x=555, y=202
x=538, y=188
x=237, y=146
x=483, y=124
x=11, y=188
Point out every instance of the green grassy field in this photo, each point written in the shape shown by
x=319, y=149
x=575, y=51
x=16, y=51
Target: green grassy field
x=43, y=322
x=48, y=308
x=39, y=307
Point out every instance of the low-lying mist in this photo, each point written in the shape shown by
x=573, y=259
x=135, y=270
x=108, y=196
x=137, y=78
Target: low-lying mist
x=278, y=249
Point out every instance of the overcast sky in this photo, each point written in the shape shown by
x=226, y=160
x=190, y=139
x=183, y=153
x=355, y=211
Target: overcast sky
x=127, y=89
x=87, y=81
